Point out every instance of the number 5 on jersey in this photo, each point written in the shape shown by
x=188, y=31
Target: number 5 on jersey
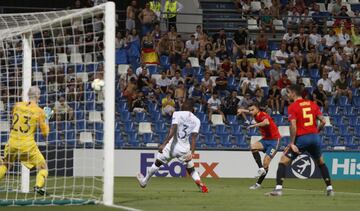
x=308, y=116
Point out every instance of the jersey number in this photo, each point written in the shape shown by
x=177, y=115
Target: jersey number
x=184, y=131
x=16, y=120
x=309, y=117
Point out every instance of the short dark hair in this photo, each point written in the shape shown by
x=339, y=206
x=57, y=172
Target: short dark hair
x=254, y=104
x=296, y=88
x=188, y=105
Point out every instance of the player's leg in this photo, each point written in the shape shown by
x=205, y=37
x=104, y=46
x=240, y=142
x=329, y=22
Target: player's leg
x=34, y=158
x=5, y=162
x=195, y=176
x=255, y=148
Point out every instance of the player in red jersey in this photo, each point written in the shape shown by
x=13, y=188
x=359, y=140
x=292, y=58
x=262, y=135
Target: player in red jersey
x=304, y=136
x=268, y=144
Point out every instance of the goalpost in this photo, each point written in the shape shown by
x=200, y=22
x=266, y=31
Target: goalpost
x=62, y=52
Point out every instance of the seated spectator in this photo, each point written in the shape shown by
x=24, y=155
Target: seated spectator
x=314, y=37
x=143, y=79
x=184, y=60
x=230, y=104
x=327, y=84
x=320, y=98
x=172, y=69
x=330, y=38
x=356, y=77
x=214, y=104
x=325, y=58
x=207, y=84
x=125, y=78
x=119, y=40
x=244, y=104
x=222, y=53
x=198, y=33
x=192, y=46
x=62, y=111
x=227, y=67
x=334, y=75
x=148, y=41
x=141, y=68
x=293, y=18
x=189, y=74
x=212, y=63
x=139, y=104
x=176, y=79
x=240, y=39
x=243, y=67
x=164, y=46
x=261, y=41
x=206, y=53
x=196, y=93
x=130, y=91
x=176, y=50
x=248, y=84
x=303, y=39
x=283, y=83
x=292, y=73
x=221, y=84
x=342, y=87
x=220, y=38
x=281, y=55
x=274, y=99
x=343, y=37
x=275, y=74
x=297, y=57
x=261, y=100
x=289, y=36
x=349, y=48
x=163, y=82
x=168, y=105
x=312, y=58
x=266, y=21
x=259, y=68
x=180, y=94
x=305, y=94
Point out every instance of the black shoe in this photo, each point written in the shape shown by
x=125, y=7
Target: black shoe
x=39, y=190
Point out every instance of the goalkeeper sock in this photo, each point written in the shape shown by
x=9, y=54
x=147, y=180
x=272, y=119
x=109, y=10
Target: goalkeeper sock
x=40, y=178
x=3, y=170
x=257, y=159
x=153, y=169
x=325, y=174
x=280, y=175
x=261, y=179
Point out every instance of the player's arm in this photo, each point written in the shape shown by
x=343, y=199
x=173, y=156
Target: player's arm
x=241, y=110
x=170, y=135
x=44, y=127
x=322, y=122
x=265, y=122
x=193, y=142
x=293, y=129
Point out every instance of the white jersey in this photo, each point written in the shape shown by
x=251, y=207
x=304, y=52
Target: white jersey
x=187, y=123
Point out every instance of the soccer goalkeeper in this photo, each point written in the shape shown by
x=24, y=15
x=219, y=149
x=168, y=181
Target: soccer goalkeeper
x=21, y=145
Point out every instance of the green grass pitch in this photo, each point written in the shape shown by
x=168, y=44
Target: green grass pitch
x=225, y=194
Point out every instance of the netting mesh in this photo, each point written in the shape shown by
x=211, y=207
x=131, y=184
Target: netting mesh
x=67, y=55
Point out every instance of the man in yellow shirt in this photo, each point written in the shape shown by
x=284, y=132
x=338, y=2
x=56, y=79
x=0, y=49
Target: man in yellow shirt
x=171, y=9
x=21, y=145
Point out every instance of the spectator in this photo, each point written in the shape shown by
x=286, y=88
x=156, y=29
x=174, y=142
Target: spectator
x=212, y=63
x=143, y=79
x=305, y=93
x=312, y=58
x=292, y=73
x=343, y=37
x=230, y=104
x=248, y=84
x=171, y=9
x=180, y=94
x=334, y=75
x=130, y=15
x=163, y=82
x=325, y=57
x=327, y=84
x=63, y=112
x=172, y=69
x=134, y=35
x=349, y=48
x=222, y=53
x=164, y=46
x=243, y=67
x=172, y=34
x=188, y=74
x=192, y=46
x=168, y=105
x=156, y=33
x=148, y=41
x=274, y=99
x=207, y=83
x=147, y=18
x=176, y=79
x=289, y=36
x=219, y=38
x=330, y=38
x=227, y=67
x=130, y=90
x=198, y=33
x=214, y=104
x=141, y=68
x=259, y=68
x=119, y=41
x=320, y=98
x=281, y=56
x=240, y=39
x=314, y=37
x=337, y=7
x=261, y=41
x=342, y=88
x=139, y=104
x=293, y=18
x=196, y=93
x=125, y=78
x=275, y=74
x=244, y=104
x=155, y=6
x=283, y=82
x=267, y=21
x=176, y=50
x=297, y=57
x=221, y=84
x=303, y=39
x=356, y=77
x=260, y=99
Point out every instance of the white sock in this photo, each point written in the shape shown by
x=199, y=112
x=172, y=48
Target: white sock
x=278, y=187
x=329, y=187
x=195, y=176
x=153, y=169
x=257, y=184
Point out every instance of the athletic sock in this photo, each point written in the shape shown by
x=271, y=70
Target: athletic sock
x=3, y=170
x=325, y=174
x=261, y=179
x=153, y=169
x=195, y=176
x=257, y=159
x=40, y=178
x=280, y=175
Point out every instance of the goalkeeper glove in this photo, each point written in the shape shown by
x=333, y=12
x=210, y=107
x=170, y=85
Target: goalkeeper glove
x=48, y=113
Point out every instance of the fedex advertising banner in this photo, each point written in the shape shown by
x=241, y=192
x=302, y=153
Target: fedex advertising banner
x=215, y=164
x=343, y=165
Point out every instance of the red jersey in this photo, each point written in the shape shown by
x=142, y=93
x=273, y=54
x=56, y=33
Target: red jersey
x=305, y=113
x=268, y=132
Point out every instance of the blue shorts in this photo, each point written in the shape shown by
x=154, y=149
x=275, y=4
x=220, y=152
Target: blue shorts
x=270, y=147
x=307, y=143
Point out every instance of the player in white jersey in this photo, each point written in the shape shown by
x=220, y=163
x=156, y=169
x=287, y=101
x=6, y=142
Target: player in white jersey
x=184, y=126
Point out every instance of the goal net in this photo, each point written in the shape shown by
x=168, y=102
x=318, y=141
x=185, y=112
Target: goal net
x=62, y=52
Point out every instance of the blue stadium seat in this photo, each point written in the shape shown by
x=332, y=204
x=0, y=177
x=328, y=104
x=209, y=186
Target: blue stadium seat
x=132, y=139
x=236, y=130
x=232, y=119
x=209, y=140
x=121, y=56
x=241, y=142
x=164, y=61
x=231, y=83
x=336, y=120
x=70, y=137
x=125, y=116
x=205, y=129
x=147, y=138
x=328, y=130
x=89, y=96
x=202, y=116
x=343, y=100
x=141, y=117
x=221, y=130
x=99, y=126
x=129, y=127
x=343, y=130
x=80, y=124
x=357, y=130
x=159, y=127
x=199, y=108
x=225, y=140
x=253, y=132
x=90, y=106
x=153, y=107
x=156, y=116
x=153, y=69
x=117, y=127
x=119, y=142
x=356, y=101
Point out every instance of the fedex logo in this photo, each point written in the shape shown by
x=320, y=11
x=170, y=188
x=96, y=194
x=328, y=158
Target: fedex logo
x=176, y=168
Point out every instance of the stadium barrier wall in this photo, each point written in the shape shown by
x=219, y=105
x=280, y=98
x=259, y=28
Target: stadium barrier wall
x=215, y=164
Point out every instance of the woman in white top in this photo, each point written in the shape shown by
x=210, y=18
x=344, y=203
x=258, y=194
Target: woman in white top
x=259, y=68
